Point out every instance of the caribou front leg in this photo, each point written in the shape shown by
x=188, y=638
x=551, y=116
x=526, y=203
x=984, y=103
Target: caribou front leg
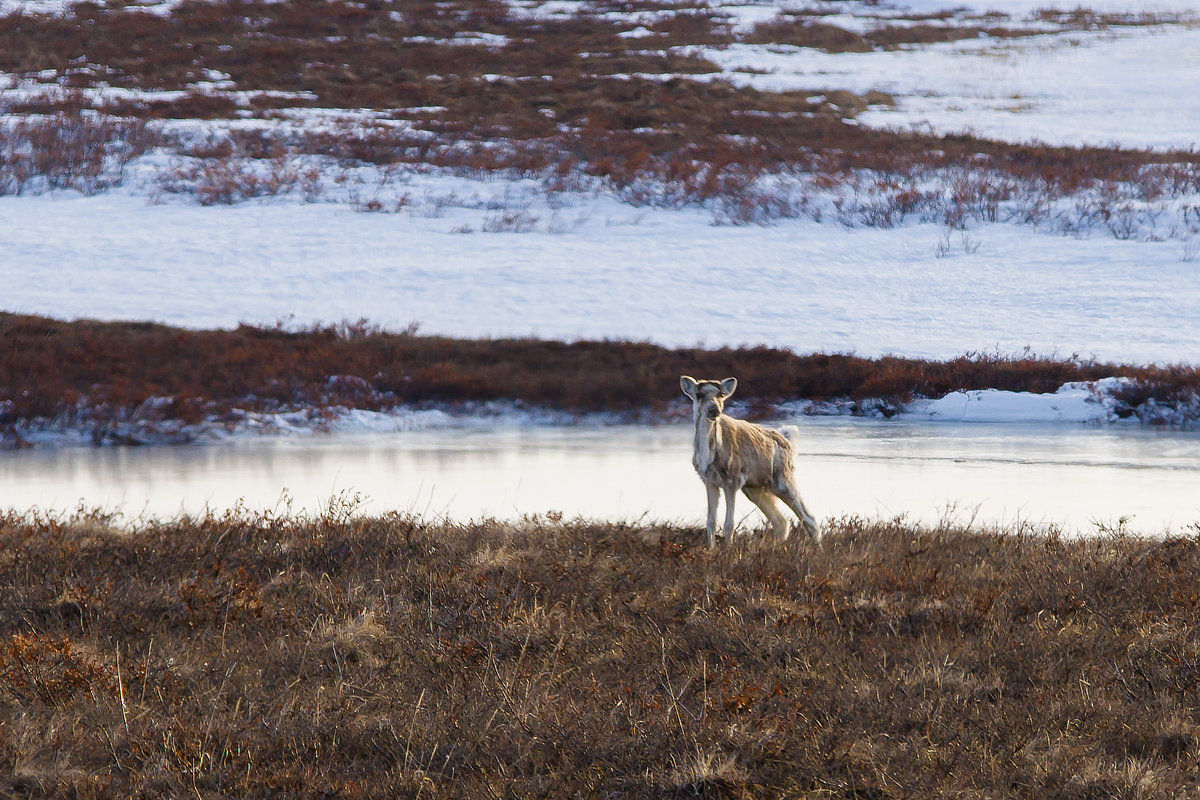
x=713, y=494
x=730, y=495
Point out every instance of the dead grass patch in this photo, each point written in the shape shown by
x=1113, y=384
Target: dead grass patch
x=256, y=655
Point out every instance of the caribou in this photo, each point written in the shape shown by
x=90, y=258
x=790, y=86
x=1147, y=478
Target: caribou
x=733, y=454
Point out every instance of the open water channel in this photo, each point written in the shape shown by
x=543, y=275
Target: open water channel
x=1076, y=476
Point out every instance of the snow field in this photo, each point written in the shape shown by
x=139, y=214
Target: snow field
x=599, y=268
x=1117, y=88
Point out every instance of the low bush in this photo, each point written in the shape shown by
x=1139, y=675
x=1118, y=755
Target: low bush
x=80, y=151
x=82, y=372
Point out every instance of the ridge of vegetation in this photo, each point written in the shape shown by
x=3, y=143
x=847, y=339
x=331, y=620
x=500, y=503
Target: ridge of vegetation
x=100, y=374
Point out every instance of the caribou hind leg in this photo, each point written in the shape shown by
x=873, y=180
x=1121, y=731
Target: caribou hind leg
x=788, y=494
x=769, y=505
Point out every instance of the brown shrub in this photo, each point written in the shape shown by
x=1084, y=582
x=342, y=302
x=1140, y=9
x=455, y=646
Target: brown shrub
x=801, y=32
x=49, y=671
x=83, y=152
x=55, y=368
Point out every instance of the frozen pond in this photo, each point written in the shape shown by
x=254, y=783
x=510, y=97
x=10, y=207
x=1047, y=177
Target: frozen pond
x=1075, y=476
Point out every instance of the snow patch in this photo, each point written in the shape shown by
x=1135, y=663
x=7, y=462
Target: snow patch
x=1073, y=402
x=998, y=88
x=1092, y=402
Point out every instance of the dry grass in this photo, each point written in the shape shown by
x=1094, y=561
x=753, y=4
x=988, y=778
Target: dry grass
x=262, y=656
x=81, y=373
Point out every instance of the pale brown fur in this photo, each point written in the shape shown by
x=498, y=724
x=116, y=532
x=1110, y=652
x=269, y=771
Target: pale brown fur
x=731, y=454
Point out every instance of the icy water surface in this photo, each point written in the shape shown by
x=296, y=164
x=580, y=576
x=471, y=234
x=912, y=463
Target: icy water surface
x=1075, y=476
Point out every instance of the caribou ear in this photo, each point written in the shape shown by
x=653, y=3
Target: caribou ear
x=688, y=384
x=728, y=386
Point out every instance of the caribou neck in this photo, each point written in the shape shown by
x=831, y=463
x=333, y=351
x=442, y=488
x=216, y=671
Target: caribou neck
x=707, y=440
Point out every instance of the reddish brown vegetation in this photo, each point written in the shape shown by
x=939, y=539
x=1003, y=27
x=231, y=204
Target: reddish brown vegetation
x=66, y=150
x=807, y=31
x=259, y=657
x=93, y=371
x=571, y=92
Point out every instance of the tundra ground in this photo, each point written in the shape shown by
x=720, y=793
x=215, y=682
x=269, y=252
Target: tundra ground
x=341, y=656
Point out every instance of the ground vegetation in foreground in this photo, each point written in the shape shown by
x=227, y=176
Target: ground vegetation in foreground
x=341, y=656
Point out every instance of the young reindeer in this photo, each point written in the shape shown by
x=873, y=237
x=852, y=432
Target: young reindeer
x=732, y=454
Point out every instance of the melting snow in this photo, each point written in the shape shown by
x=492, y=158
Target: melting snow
x=1074, y=402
